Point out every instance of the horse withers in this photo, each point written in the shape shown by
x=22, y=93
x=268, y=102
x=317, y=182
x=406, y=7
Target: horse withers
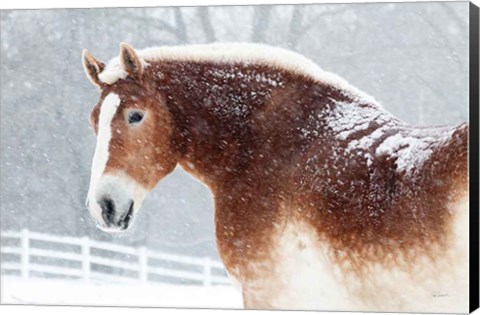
x=323, y=200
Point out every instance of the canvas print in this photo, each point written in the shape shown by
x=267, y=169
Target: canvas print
x=284, y=157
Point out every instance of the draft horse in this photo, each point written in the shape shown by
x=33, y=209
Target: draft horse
x=323, y=199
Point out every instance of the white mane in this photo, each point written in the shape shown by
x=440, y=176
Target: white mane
x=237, y=52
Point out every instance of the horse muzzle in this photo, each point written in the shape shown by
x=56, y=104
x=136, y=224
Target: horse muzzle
x=114, y=217
x=113, y=201
x=110, y=217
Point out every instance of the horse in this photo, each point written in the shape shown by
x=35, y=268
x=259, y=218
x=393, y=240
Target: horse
x=323, y=199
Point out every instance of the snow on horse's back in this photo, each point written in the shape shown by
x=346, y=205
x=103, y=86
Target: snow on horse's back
x=323, y=199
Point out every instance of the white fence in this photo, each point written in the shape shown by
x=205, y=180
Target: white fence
x=88, y=263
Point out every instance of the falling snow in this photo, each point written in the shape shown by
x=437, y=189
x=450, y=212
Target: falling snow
x=47, y=145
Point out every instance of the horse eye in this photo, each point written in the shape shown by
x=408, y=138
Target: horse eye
x=134, y=117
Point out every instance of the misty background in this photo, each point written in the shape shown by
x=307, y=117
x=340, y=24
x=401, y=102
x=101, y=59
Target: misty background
x=412, y=57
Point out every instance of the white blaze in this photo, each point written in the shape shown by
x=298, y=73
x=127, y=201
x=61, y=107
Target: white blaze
x=107, y=111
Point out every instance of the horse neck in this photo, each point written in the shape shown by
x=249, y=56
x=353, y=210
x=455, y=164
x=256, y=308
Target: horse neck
x=216, y=108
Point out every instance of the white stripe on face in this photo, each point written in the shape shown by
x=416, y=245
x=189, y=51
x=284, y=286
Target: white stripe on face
x=107, y=112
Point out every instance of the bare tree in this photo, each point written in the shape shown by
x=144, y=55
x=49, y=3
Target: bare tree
x=298, y=27
x=181, y=29
x=206, y=21
x=261, y=17
x=295, y=28
x=178, y=29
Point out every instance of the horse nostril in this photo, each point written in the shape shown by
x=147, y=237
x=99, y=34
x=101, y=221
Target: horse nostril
x=108, y=210
x=128, y=216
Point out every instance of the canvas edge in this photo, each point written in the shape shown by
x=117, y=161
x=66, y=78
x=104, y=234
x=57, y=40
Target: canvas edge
x=474, y=157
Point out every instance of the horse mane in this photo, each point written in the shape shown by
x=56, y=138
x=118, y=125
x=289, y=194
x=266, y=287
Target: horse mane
x=248, y=53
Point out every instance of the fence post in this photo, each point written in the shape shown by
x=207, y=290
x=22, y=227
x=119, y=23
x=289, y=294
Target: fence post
x=207, y=272
x=143, y=260
x=86, y=259
x=25, y=243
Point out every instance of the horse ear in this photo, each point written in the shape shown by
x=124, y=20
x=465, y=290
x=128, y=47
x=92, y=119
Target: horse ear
x=92, y=67
x=130, y=61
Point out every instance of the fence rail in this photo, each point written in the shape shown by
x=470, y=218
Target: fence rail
x=85, y=262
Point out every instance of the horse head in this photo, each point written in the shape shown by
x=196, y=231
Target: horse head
x=134, y=149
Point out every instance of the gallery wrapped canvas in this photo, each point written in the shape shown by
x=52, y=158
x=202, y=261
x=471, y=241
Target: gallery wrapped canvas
x=281, y=157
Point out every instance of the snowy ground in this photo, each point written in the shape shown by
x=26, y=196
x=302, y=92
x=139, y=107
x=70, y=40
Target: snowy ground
x=16, y=290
